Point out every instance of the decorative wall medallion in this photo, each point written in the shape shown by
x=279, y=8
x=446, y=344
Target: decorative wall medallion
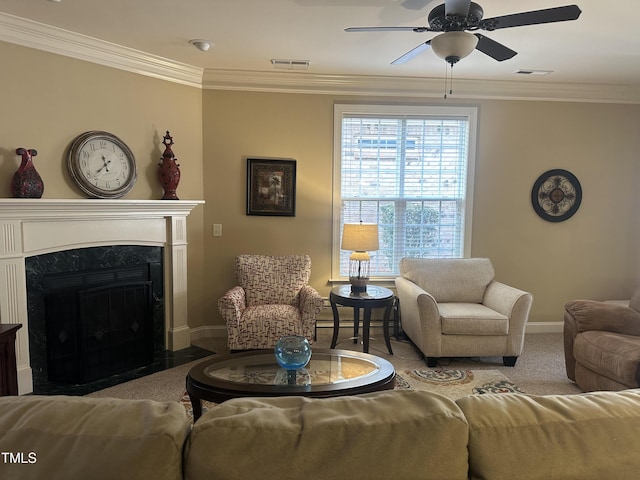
x=556, y=195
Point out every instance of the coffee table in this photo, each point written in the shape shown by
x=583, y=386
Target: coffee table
x=255, y=373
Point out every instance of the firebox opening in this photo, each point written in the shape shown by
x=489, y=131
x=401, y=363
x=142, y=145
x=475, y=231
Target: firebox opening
x=98, y=323
x=110, y=304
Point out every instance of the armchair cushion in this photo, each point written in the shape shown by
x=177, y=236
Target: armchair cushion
x=267, y=280
x=472, y=319
x=450, y=280
x=612, y=355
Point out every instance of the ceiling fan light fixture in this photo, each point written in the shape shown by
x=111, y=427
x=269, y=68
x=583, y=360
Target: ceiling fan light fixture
x=453, y=46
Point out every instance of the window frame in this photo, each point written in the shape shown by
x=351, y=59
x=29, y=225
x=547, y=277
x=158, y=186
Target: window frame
x=340, y=110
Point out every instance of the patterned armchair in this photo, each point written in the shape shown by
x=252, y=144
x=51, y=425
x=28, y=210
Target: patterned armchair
x=271, y=300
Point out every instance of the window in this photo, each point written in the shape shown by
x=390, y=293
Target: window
x=409, y=170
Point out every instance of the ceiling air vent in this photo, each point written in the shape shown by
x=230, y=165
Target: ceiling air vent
x=290, y=64
x=527, y=71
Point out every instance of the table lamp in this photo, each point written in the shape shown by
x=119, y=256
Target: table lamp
x=360, y=238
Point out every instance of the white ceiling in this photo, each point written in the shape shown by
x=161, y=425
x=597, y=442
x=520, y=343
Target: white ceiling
x=601, y=47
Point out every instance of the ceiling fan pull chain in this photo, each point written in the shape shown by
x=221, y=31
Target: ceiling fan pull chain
x=446, y=72
x=448, y=76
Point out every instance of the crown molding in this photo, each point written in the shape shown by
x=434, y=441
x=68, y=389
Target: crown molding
x=63, y=42
x=301, y=82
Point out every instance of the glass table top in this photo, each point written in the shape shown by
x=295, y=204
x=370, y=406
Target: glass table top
x=322, y=369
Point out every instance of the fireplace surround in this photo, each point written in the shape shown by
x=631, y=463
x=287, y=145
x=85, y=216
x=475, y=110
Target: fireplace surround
x=30, y=227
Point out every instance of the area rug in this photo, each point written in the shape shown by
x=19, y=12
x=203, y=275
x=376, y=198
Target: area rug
x=450, y=383
x=186, y=403
x=455, y=383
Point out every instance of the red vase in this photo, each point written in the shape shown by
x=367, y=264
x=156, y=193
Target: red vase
x=169, y=170
x=26, y=182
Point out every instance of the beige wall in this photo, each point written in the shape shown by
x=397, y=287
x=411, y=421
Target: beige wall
x=47, y=100
x=592, y=255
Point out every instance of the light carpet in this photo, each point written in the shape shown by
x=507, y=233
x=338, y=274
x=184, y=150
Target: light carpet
x=448, y=382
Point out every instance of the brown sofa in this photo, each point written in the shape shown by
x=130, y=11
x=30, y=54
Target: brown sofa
x=393, y=434
x=602, y=344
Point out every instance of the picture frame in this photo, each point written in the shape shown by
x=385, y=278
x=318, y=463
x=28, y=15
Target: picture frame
x=271, y=187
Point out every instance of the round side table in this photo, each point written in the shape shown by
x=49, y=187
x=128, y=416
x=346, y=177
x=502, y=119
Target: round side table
x=373, y=297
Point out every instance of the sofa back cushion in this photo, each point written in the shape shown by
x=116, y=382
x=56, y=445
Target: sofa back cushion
x=73, y=438
x=269, y=280
x=382, y=435
x=450, y=279
x=634, y=302
x=587, y=437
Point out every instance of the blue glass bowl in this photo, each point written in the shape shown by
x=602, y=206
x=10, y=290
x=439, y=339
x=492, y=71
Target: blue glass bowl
x=292, y=352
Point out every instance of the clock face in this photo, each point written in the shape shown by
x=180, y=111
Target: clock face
x=102, y=165
x=556, y=195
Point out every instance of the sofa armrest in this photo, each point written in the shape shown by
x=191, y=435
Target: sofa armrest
x=570, y=330
x=231, y=305
x=594, y=315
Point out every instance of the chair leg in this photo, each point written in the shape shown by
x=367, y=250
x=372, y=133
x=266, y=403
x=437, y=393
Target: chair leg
x=509, y=361
x=432, y=362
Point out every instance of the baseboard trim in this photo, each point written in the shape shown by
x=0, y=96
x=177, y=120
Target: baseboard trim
x=544, y=327
x=220, y=331
x=208, y=331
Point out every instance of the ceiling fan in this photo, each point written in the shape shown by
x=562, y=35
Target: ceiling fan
x=454, y=18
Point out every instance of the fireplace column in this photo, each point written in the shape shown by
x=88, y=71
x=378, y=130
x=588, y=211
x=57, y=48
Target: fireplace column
x=178, y=335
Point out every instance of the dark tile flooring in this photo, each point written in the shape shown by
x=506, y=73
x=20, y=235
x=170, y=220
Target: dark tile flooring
x=162, y=361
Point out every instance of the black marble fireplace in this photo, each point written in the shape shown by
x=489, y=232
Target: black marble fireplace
x=102, y=309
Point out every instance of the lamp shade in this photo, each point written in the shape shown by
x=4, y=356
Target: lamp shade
x=452, y=46
x=360, y=237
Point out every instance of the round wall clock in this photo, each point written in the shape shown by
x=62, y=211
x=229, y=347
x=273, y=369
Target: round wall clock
x=102, y=165
x=556, y=195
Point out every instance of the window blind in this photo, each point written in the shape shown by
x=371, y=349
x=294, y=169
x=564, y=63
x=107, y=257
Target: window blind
x=407, y=173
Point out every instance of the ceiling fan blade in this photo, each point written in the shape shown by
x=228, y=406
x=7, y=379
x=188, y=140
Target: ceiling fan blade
x=415, y=4
x=547, y=15
x=494, y=49
x=388, y=29
x=457, y=7
x=412, y=53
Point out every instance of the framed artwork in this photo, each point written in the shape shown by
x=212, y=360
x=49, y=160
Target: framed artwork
x=271, y=187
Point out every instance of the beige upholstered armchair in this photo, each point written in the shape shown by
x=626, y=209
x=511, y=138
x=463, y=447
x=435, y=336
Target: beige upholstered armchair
x=272, y=299
x=455, y=308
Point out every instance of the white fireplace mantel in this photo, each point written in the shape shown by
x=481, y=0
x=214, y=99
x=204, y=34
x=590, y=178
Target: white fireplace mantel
x=30, y=227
